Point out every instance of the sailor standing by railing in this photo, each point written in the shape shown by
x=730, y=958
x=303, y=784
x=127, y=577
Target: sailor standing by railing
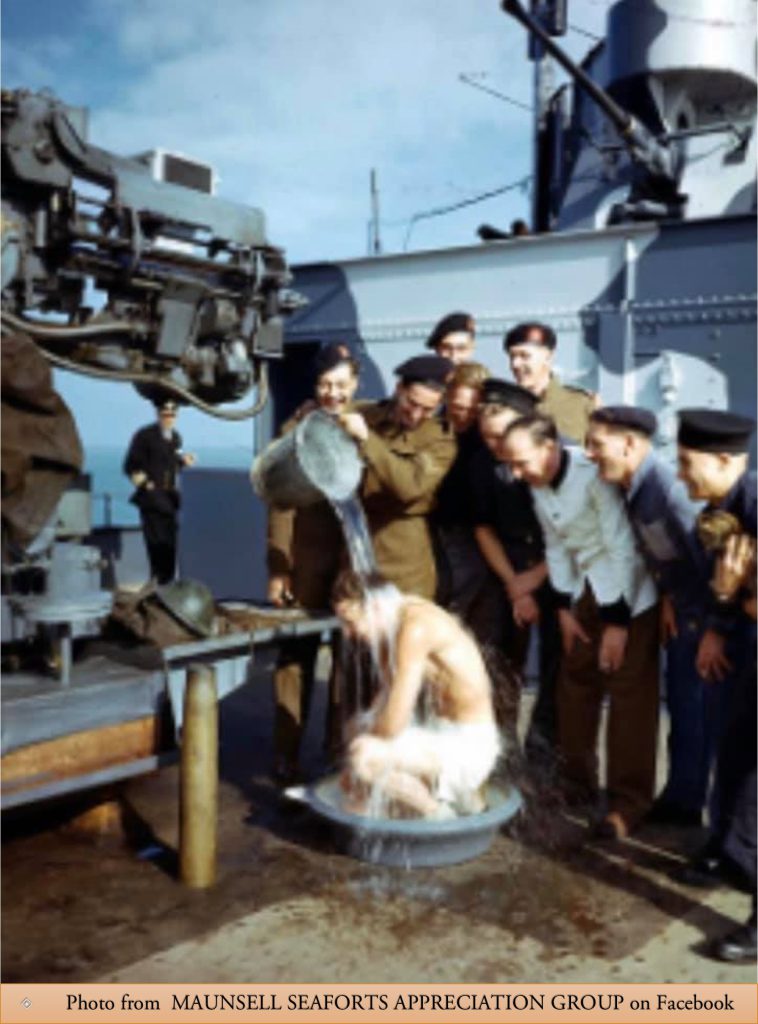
x=154, y=457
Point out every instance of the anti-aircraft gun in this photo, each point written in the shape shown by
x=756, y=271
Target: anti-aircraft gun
x=195, y=292
x=662, y=123
x=656, y=161
x=194, y=300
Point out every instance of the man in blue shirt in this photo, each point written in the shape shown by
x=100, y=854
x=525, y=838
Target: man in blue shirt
x=663, y=520
x=712, y=458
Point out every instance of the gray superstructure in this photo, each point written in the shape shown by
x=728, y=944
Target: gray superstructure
x=648, y=272
x=687, y=71
x=642, y=258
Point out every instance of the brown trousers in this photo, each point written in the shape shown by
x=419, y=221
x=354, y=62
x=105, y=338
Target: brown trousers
x=632, y=735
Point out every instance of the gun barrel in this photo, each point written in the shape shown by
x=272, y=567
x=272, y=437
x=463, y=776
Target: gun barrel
x=621, y=118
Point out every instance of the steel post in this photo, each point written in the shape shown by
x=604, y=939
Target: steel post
x=198, y=800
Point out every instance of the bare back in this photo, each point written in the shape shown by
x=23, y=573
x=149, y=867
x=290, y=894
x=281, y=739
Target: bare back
x=454, y=670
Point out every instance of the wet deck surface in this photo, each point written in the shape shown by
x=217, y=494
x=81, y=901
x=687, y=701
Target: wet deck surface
x=543, y=904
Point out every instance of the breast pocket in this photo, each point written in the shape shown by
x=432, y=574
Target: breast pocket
x=657, y=540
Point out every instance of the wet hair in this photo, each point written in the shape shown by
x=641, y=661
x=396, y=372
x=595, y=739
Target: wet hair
x=539, y=427
x=519, y=335
x=468, y=375
x=355, y=586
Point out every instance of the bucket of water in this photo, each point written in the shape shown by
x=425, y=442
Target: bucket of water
x=314, y=461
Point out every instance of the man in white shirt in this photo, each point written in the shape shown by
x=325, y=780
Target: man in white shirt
x=608, y=617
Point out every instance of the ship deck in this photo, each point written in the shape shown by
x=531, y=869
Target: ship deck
x=544, y=903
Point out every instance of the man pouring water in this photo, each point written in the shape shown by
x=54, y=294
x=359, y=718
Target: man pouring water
x=429, y=741
x=407, y=451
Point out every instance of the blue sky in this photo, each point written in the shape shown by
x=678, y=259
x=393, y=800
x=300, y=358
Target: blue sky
x=293, y=103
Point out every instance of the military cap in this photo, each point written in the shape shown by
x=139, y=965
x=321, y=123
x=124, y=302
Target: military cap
x=448, y=325
x=520, y=335
x=713, y=430
x=331, y=355
x=629, y=417
x=430, y=370
x=510, y=396
x=166, y=405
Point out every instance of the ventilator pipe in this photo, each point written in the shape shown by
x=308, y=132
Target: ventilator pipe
x=198, y=798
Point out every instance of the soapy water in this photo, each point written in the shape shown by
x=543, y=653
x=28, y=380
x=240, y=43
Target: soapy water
x=352, y=519
x=411, y=843
x=367, y=667
x=373, y=664
x=376, y=834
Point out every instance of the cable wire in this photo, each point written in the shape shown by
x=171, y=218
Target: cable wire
x=467, y=80
x=583, y=32
x=138, y=377
x=471, y=201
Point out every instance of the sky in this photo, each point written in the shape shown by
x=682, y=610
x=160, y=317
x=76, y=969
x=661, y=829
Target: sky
x=294, y=102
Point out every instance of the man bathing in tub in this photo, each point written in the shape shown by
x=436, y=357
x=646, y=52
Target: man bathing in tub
x=430, y=740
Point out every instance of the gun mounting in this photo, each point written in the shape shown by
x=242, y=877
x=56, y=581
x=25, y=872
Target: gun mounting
x=195, y=292
x=656, y=163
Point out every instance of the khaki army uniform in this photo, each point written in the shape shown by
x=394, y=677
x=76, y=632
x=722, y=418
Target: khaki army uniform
x=404, y=469
x=570, y=407
x=307, y=545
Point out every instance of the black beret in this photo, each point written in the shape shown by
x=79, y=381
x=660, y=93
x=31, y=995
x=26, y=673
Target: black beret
x=331, y=355
x=430, y=370
x=630, y=417
x=510, y=396
x=713, y=430
x=520, y=335
x=448, y=325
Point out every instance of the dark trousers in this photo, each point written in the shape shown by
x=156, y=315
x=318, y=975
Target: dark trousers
x=697, y=714
x=506, y=646
x=160, y=531
x=461, y=570
x=736, y=771
x=633, y=712
x=542, y=735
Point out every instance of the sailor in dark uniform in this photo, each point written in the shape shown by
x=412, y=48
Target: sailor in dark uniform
x=461, y=572
x=713, y=464
x=663, y=520
x=152, y=462
x=516, y=596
